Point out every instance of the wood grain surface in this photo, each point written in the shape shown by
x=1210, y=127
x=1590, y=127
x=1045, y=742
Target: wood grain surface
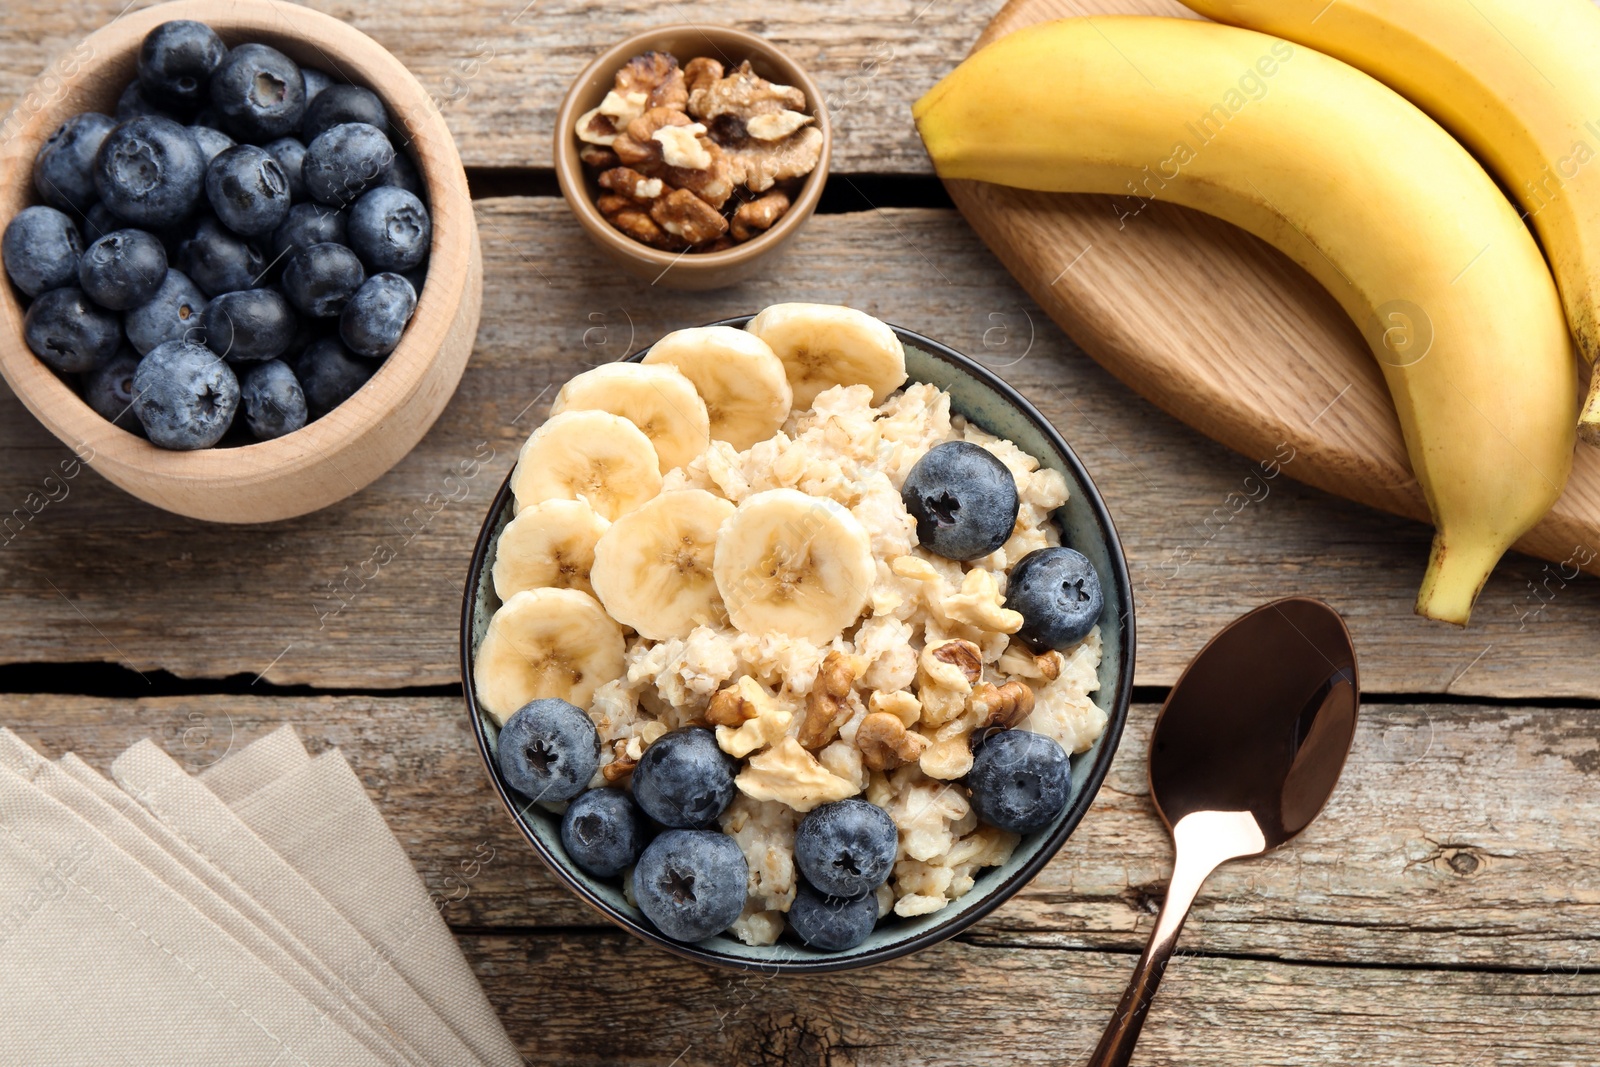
x=367, y=593
x=1439, y=913
x=497, y=69
x=1440, y=909
x=1274, y=360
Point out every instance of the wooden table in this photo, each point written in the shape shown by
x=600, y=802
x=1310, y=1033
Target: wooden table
x=1442, y=911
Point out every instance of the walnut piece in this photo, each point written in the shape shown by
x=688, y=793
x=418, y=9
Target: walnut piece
x=758, y=216
x=700, y=72
x=946, y=760
x=902, y=705
x=657, y=75
x=745, y=93
x=618, y=769
x=964, y=656
x=775, y=126
x=788, y=773
x=945, y=674
x=1003, y=706
x=761, y=720
x=681, y=146
x=1020, y=661
x=637, y=145
x=885, y=743
x=598, y=157
x=635, y=221
x=686, y=216
x=978, y=604
x=760, y=165
x=827, y=707
x=625, y=181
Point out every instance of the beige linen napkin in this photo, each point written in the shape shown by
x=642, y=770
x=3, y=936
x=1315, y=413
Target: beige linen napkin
x=263, y=760
x=101, y=962
x=320, y=819
x=210, y=828
x=100, y=811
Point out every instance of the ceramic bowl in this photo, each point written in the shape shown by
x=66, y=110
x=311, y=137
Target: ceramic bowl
x=1085, y=525
x=695, y=270
x=362, y=438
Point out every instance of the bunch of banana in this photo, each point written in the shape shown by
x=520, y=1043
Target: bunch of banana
x=1351, y=181
x=597, y=548
x=1514, y=80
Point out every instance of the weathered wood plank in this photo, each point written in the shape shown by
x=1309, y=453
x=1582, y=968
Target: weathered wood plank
x=1461, y=836
x=498, y=70
x=96, y=575
x=617, y=1001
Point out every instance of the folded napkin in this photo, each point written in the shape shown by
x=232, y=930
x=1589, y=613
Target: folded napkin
x=260, y=913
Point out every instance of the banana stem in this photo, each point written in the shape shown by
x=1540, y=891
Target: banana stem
x=1455, y=576
x=1589, y=418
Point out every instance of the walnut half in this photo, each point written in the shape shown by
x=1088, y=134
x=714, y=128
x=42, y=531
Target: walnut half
x=827, y=706
x=885, y=743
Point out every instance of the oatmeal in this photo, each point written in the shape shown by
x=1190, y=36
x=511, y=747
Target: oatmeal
x=784, y=592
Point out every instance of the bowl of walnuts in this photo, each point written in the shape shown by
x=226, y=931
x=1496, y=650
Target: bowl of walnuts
x=691, y=153
x=242, y=274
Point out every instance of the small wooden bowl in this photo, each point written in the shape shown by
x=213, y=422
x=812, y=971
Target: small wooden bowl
x=693, y=270
x=362, y=438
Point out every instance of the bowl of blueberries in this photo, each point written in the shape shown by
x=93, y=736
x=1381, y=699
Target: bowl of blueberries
x=242, y=272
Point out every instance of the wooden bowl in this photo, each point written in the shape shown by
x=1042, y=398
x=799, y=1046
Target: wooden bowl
x=693, y=270
x=362, y=438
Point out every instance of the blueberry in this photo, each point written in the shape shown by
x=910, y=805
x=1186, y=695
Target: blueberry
x=963, y=499
x=320, y=280
x=108, y=389
x=404, y=175
x=290, y=154
x=212, y=142
x=390, y=229
x=176, y=62
x=173, y=314
x=691, y=883
x=307, y=225
x=249, y=325
x=123, y=269
x=133, y=104
x=330, y=375
x=603, y=832
x=316, y=81
x=41, y=249
x=339, y=104
x=149, y=171
x=69, y=333
x=371, y=324
x=684, y=780
x=101, y=220
x=345, y=161
x=259, y=93
x=832, y=924
x=846, y=848
x=274, y=402
x=219, y=261
x=1019, y=780
x=186, y=396
x=63, y=170
x=248, y=190
x=1058, y=594
x=548, y=750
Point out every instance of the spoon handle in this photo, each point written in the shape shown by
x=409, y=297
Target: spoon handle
x=1192, y=868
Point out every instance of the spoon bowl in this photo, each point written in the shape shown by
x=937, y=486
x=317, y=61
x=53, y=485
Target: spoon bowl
x=1246, y=752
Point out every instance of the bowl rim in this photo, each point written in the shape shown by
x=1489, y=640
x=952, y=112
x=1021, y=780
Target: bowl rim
x=572, y=176
x=1105, y=754
x=403, y=374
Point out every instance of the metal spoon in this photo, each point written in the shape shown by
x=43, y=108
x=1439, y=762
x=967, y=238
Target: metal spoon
x=1247, y=750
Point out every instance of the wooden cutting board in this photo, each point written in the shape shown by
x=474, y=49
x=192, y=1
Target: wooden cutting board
x=1224, y=332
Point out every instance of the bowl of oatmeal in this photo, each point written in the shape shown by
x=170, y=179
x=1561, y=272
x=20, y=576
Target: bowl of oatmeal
x=664, y=608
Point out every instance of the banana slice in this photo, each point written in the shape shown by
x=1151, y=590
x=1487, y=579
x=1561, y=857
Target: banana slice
x=659, y=400
x=743, y=383
x=823, y=345
x=652, y=569
x=789, y=563
x=593, y=456
x=546, y=643
x=550, y=544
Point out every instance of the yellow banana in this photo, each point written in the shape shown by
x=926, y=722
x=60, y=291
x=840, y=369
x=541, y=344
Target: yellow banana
x=1355, y=184
x=1514, y=80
